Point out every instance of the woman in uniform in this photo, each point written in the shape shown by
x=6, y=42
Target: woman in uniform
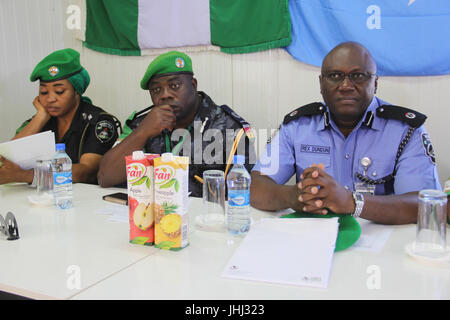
x=87, y=131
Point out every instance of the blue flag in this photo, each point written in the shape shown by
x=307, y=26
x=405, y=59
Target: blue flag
x=405, y=37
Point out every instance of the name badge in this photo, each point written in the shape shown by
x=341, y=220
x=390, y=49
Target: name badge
x=314, y=149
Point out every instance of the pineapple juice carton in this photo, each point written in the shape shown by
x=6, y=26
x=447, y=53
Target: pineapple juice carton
x=140, y=182
x=171, y=198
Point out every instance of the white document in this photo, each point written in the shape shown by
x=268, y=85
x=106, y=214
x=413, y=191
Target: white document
x=25, y=151
x=373, y=236
x=287, y=251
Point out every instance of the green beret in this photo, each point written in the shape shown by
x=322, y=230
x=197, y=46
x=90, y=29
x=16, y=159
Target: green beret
x=167, y=63
x=349, y=228
x=58, y=65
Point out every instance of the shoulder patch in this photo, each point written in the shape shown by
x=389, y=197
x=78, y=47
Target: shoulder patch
x=105, y=130
x=106, y=127
x=306, y=110
x=413, y=118
x=245, y=125
x=426, y=142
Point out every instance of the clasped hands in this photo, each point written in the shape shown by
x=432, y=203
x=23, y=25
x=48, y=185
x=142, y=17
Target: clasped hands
x=318, y=191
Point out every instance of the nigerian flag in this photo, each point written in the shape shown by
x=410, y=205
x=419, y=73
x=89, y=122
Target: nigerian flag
x=128, y=27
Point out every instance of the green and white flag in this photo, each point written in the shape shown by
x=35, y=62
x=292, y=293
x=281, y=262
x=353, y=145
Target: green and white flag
x=129, y=27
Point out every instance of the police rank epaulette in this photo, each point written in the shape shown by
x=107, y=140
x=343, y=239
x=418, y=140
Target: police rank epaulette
x=311, y=109
x=412, y=118
x=245, y=125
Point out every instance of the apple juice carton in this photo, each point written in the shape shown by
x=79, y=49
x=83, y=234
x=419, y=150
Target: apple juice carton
x=141, y=197
x=171, y=198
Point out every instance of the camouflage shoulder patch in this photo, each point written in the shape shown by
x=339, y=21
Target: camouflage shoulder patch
x=311, y=109
x=412, y=118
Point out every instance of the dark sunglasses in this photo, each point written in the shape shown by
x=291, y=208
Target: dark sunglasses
x=9, y=226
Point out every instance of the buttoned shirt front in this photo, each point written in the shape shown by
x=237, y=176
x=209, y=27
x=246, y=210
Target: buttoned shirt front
x=316, y=139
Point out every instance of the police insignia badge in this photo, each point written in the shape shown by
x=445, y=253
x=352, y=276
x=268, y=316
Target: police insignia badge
x=410, y=115
x=428, y=147
x=179, y=62
x=53, y=71
x=104, y=131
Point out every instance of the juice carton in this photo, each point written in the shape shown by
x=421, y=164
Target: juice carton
x=171, y=197
x=141, y=197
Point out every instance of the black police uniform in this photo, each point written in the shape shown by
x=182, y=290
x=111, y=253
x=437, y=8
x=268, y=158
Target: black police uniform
x=209, y=116
x=92, y=131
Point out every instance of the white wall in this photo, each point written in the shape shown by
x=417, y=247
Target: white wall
x=262, y=87
x=29, y=30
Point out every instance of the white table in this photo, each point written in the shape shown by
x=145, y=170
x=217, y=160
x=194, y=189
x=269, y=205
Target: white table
x=56, y=245
x=110, y=268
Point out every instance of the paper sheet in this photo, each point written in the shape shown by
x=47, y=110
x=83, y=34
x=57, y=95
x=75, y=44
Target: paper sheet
x=26, y=151
x=287, y=251
x=117, y=212
x=373, y=236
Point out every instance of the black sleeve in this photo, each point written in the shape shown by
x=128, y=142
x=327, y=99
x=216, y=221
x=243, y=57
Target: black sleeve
x=101, y=135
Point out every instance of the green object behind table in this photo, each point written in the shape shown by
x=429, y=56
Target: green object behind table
x=349, y=228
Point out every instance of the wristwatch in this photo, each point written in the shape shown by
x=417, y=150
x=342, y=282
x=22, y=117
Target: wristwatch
x=359, y=204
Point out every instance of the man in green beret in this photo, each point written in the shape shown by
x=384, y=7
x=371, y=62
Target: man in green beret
x=86, y=130
x=181, y=120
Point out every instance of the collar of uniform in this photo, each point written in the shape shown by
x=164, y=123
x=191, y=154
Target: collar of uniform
x=207, y=108
x=78, y=118
x=369, y=119
x=325, y=119
x=75, y=125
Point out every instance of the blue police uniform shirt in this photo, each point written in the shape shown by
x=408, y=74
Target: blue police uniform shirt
x=309, y=140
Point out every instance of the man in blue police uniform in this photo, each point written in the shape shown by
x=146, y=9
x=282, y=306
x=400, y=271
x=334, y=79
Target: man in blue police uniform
x=353, y=154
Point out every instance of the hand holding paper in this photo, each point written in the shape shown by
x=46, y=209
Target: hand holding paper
x=19, y=156
x=11, y=172
x=25, y=151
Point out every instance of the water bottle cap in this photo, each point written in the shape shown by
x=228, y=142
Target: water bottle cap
x=239, y=159
x=60, y=146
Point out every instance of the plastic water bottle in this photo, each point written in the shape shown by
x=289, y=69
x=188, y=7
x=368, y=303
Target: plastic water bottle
x=62, y=178
x=238, y=211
